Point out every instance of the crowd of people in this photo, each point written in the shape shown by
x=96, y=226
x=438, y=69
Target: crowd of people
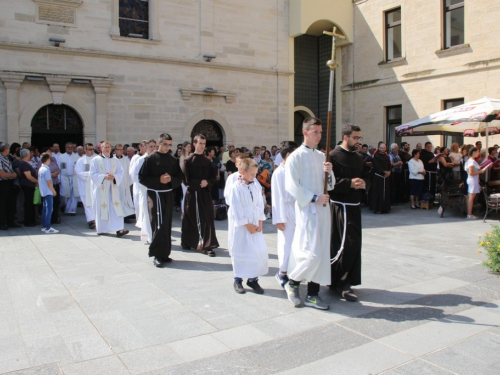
x=399, y=174
x=319, y=234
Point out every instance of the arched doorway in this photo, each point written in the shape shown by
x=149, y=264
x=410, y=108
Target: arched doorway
x=56, y=124
x=210, y=129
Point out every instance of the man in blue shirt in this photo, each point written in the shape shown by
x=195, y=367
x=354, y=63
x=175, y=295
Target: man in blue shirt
x=47, y=192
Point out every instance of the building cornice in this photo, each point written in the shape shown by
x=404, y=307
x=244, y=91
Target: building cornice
x=472, y=67
x=124, y=56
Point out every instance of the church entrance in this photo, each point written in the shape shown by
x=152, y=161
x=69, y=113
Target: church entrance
x=56, y=124
x=210, y=129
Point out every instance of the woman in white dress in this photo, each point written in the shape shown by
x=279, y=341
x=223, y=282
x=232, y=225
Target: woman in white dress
x=473, y=172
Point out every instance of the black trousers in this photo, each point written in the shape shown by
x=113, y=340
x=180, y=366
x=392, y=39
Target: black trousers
x=397, y=187
x=7, y=202
x=312, y=287
x=29, y=207
x=55, y=210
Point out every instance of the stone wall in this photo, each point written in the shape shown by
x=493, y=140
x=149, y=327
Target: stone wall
x=427, y=75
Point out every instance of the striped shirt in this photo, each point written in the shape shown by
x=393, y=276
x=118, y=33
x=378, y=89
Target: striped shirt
x=5, y=165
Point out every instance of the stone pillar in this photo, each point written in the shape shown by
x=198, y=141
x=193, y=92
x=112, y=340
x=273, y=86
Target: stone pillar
x=101, y=88
x=154, y=20
x=115, y=26
x=58, y=86
x=12, y=82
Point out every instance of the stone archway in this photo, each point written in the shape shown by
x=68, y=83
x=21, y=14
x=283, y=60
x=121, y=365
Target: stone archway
x=86, y=116
x=227, y=133
x=211, y=130
x=299, y=114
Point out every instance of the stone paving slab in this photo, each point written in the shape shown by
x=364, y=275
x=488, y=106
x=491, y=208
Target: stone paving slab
x=76, y=303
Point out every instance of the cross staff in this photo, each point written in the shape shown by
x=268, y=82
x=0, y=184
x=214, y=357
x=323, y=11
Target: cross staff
x=332, y=64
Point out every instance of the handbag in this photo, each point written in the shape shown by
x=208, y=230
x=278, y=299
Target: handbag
x=220, y=212
x=37, y=198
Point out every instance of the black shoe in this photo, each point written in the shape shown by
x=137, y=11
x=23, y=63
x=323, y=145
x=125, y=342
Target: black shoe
x=4, y=227
x=210, y=253
x=161, y=263
x=238, y=287
x=347, y=293
x=121, y=233
x=91, y=224
x=255, y=286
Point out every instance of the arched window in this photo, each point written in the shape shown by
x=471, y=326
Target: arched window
x=211, y=130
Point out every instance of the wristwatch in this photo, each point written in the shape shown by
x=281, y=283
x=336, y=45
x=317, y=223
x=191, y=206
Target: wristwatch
x=314, y=198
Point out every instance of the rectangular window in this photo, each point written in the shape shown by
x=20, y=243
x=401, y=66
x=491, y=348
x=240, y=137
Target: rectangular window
x=394, y=117
x=454, y=23
x=393, y=37
x=134, y=18
x=459, y=138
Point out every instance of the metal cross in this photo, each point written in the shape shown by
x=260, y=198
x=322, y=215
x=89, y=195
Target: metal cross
x=332, y=64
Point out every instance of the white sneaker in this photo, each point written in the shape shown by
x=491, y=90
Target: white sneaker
x=43, y=229
x=51, y=230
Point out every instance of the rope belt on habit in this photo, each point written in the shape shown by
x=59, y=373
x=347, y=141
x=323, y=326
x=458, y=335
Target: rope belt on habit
x=159, y=212
x=339, y=253
x=376, y=174
x=198, y=223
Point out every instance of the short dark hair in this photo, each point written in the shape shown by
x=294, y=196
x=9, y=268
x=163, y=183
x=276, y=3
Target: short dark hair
x=44, y=157
x=347, y=129
x=428, y=143
x=403, y=144
x=209, y=149
x=197, y=137
x=415, y=152
x=88, y=144
x=288, y=147
x=162, y=137
x=490, y=149
x=365, y=145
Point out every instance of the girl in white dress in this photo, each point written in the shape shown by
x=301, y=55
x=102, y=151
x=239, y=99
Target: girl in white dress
x=473, y=172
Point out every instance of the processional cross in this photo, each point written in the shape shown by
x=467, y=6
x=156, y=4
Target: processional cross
x=332, y=64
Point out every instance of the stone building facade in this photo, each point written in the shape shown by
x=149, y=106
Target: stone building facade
x=244, y=72
x=219, y=63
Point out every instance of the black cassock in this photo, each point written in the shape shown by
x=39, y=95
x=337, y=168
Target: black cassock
x=160, y=203
x=346, y=166
x=198, y=168
x=380, y=191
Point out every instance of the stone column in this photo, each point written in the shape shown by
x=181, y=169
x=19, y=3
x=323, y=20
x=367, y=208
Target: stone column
x=58, y=86
x=101, y=88
x=115, y=26
x=12, y=82
x=154, y=20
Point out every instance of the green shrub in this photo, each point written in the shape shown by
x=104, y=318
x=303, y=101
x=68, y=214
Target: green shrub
x=491, y=244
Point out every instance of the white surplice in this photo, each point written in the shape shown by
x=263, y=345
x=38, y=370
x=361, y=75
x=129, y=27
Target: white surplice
x=69, y=182
x=283, y=205
x=248, y=251
x=82, y=169
x=310, y=256
x=141, y=199
x=114, y=222
x=124, y=188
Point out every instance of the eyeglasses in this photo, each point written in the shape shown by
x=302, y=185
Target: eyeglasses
x=356, y=138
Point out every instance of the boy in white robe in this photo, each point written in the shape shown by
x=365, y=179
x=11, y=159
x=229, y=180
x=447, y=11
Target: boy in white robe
x=305, y=172
x=106, y=174
x=82, y=169
x=283, y=208
x=247, y=245
x=134, y=175
x=69, y=184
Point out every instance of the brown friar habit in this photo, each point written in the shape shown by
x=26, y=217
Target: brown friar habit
x=380, y=194
x=198, y=168
x=346, y=166
x=160, y=202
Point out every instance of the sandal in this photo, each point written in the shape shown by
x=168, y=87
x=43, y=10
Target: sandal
x=121, y=233
x=472, y=217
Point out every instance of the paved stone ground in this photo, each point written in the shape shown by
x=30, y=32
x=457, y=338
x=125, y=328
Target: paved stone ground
x=75, y=303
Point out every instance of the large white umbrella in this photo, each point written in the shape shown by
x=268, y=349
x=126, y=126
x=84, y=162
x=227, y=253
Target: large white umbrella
x=480, y=117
